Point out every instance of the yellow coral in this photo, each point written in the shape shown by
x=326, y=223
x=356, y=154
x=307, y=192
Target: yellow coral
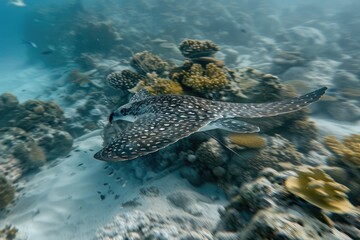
x=249, y=140
x=159, y=86
x=318, y=188
x=348, y=150
x=198, y=79
x=196, y=48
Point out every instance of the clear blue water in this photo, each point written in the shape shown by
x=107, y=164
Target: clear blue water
x=202, y=187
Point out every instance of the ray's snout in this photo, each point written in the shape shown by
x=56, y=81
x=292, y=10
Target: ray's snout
x=111, y=117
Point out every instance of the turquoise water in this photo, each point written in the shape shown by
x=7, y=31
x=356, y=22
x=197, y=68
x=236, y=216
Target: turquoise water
x=69, y=72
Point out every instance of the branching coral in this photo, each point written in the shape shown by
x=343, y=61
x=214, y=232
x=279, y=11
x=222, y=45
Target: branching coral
x=125, y=79
x=318, y=188
x=348, y=150
x=212, y=78
x=147, y=62
x=7, y=192
x=195, y=48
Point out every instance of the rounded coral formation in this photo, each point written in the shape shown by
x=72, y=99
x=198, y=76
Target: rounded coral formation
x=199, y=79
x=147, y=62
x=125, y=79
x=196, y=48
x=247, y=164
x=163, y=86
x=7, y=192
x=210, y=154
x=318, y=188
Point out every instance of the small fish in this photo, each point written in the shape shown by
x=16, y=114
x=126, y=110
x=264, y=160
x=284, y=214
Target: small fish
x=18, y=3
x=32, y=44
x=47, y=52
x=158, y=121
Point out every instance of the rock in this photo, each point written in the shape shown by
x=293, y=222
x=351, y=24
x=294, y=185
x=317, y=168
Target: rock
x=219, y=171
x=211, y=154
x=187, y=201
x=8, y=100
x=192, y=176
x=343, y=110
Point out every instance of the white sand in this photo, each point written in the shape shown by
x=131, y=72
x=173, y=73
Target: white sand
x=62, y=202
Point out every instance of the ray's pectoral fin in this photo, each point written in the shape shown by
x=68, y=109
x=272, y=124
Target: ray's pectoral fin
x=147, y=134
x=141, y=95
x=231, y=125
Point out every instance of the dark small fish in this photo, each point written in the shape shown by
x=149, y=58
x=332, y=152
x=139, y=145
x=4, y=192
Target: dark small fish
x=243, y=30
x=47, y=52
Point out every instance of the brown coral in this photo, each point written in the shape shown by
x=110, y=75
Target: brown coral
x=147, y=62
x=125, y=79
x=30, y=154
x=198, y=79
x=8, y=232
x=7, y=192
x=164, y=86
x=318, y=188
x=348, y=150
x=196, y=48
x=247, y=164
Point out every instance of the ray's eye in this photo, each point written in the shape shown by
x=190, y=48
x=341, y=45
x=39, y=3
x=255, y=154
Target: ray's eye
x=123, y=112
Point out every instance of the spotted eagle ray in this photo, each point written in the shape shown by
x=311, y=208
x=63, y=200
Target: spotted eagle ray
x=158, y=121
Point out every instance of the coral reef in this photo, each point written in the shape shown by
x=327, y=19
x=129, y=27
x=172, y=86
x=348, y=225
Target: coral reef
x=147, y=62
x=196, y=48
x=247, y=164
x=158, y=86
x=8, y=233
x=7, y=192
x=262, y=209
x=125, y=79
x=30, y=154
x=139, y=225
x=211, y=158
x=29, y=114
x=18, y=143
x=31, y=134
x=202, y=80
x=348, y=150
x=318, y=188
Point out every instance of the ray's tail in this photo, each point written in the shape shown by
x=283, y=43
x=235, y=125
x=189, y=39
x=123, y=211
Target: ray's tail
x=258, y=110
